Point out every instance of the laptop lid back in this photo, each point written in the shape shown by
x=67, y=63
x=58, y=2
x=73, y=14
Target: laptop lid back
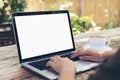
x=40, y=34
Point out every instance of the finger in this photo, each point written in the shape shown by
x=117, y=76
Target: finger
x=66, y=58
x=58, y=57
x=50, y=63
x=86, y=58
x=53, y=58
x=78, y=53
x=75, y=54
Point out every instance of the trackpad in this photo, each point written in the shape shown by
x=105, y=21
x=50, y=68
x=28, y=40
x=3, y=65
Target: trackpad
x=85, y=65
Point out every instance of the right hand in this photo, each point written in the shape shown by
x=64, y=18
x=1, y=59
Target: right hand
x=90, y=54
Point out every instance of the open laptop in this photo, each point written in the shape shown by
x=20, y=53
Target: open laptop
x=41, y=35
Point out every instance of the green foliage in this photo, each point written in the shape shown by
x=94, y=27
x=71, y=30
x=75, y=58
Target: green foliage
x=109, y=25
x=10, y=6
x=80, y=24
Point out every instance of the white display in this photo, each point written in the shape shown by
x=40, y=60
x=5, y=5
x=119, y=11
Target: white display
x=43, y=34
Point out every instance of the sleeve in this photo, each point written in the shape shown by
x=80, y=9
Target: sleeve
x=109, y=70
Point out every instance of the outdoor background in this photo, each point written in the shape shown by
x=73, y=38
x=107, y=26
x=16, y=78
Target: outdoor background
x=86, y=15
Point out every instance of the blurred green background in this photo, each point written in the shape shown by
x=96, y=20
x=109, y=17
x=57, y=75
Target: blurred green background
x=86, y=15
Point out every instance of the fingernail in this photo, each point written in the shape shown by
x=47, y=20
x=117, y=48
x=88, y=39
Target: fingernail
x=81, y=58
x=71, y=56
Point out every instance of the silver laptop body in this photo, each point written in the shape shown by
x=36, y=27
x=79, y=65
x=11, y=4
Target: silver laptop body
x=41, y=35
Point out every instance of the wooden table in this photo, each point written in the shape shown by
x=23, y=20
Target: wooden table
x=10, y=69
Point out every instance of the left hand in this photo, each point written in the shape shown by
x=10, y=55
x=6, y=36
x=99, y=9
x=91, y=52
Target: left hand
x=60, y=64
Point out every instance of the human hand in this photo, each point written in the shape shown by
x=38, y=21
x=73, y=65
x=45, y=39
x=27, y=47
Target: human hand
x=90, y=54
x=60, y=64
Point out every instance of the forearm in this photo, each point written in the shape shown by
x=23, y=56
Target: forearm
x=108, y=54
x=67, y=75
x=109, y=70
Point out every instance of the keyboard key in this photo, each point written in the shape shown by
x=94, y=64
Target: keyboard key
x=69, y=56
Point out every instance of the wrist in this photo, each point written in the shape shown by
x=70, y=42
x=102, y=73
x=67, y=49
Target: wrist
x=69, y=69
x=107, y=54
x=67, y=74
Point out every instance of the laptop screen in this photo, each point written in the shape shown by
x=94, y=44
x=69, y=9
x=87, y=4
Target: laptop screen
x=40, y=34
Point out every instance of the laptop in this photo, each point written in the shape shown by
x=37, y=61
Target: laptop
x=41, y=35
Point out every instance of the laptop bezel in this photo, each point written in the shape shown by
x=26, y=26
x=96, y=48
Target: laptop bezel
x=40, y=13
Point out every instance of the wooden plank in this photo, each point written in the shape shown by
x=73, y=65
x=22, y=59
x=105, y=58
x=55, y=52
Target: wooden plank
x=13, y=73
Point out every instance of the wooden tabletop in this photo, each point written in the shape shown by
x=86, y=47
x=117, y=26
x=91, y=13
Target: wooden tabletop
x=10, y=69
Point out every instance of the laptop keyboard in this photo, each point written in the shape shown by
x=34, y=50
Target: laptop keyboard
x=39, y=64
x=42, y=63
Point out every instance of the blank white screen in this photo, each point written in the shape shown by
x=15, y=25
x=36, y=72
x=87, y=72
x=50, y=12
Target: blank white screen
x=43, y=34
